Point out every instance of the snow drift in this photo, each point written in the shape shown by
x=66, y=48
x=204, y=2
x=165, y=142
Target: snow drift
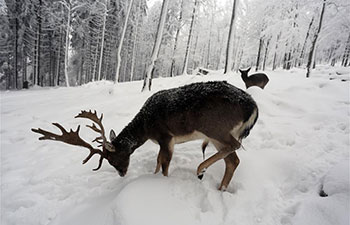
x=298, y=148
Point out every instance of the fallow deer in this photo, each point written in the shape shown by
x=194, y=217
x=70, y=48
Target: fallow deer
x=256, y=79
x=215, y=111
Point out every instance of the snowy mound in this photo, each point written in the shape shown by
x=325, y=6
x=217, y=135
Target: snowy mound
x=297, y=152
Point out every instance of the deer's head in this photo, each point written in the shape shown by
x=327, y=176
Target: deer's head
x=114, y=154
x=117, y=155
x=244, y=72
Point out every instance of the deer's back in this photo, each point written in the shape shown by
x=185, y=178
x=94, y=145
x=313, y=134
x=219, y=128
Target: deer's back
x=199, y=107
x=257, y=79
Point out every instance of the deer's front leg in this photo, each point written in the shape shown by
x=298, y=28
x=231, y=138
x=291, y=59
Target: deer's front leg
x=164, y=156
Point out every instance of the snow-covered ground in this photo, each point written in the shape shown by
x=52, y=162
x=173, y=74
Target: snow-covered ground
x=298, y=148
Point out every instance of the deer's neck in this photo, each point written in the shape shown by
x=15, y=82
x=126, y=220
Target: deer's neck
x=244, y=77
x=132, y=136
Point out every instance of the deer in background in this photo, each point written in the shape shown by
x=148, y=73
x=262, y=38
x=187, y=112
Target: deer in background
x=256, y=79
x=214, y=111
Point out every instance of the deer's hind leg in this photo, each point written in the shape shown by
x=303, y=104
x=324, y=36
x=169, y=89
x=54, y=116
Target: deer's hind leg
x=231, y=163
x=164, y=156
x=211, y=160
x=226, y=150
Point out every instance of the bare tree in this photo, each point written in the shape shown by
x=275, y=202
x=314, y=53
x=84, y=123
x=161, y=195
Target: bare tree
x=102, y=38
x=346, y=53
x=68, y=6
x=259, y=53
x=189, y=39
x=179, y=25
x=304, y=45
x=314, y=41
x=156, y=47
x=265, y=54
x=122, y=41
x=229, y=49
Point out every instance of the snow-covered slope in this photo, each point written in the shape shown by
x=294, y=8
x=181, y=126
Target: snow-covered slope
x=298, y=148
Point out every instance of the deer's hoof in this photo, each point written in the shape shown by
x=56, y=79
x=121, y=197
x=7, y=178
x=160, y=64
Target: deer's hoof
x=201, y=174
x=222, y=188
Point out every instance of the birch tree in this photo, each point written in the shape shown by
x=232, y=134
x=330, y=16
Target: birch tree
x=68, y=6
x=178, y=28
x=229, y=49
x=122, y=41
x=189, y=39
x=314, y=41
x=301, y=58
x=156, y=47
x=105, y=3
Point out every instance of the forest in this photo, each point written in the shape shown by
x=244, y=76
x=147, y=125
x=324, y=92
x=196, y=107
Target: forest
x=74, y=42
x=164, y=75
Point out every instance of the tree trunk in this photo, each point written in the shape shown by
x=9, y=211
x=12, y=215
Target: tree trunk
x=285, y=59
x=172, y=67
x=34, y=75
x=209, y=41
x=102, y=40
x=314, y=42
x=69, y=8
x=16, y=47
x=38, y=62
x=301, y=58
x=237, y=51
x=8, y=73
x=346, y=54
x=288, y=60
x=259, y=52
x=156, y=47
x=83, y=64
x=296, y=59
x=24, y=66
x=58, y=62
x=134, y=43
x=274, y=61
x=229, y=49
x=51, y=72
x=189, y=39
x=265, y=56
x=314, y=59
x=38, y=46
x=240, y=56
x=220, y=42
x=195, y=64
x=82, y=74
x=122, y=41
x=95, y=63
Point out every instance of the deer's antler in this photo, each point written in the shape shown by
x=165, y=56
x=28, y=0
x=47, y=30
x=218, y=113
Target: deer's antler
x=73, y=138
x=102, y=140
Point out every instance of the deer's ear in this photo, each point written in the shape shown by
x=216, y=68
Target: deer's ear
x=112, y=135
x=248, y=69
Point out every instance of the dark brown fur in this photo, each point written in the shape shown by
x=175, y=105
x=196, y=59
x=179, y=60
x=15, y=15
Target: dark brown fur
x=256, y=79
x=212, y=109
